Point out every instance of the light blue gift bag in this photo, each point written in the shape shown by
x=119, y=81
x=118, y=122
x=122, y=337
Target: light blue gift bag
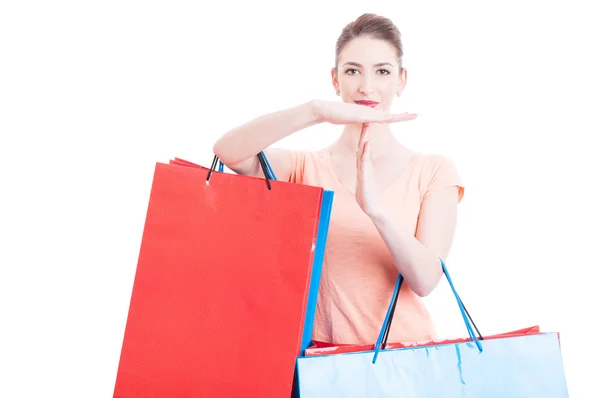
x=506, y=367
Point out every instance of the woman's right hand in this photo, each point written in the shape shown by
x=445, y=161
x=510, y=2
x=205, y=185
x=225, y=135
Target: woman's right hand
x=346, y=113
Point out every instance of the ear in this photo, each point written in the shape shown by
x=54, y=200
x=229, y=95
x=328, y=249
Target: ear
x=402, y=81
x=334, y=80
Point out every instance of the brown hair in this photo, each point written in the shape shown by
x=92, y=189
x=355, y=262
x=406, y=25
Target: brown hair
x=372, y=25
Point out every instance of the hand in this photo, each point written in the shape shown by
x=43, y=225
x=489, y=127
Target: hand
x=347, y=113
x=366, y=193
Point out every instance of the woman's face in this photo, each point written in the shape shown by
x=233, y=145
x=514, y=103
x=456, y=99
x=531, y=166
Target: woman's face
x=368, y=71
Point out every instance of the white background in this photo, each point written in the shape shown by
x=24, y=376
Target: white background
x=93, y=94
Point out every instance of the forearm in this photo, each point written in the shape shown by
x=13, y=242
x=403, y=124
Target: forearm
x=247, y=140
x=419, y=265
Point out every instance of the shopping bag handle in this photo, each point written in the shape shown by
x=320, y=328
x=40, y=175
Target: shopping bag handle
x=385, y=330
x=264, y=164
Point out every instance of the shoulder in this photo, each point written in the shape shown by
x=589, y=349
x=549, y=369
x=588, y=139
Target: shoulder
x=437, y=172
x=433, y=163
x=300, y=162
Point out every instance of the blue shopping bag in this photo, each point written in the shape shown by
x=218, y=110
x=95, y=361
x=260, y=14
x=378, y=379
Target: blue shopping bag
x=528, y=365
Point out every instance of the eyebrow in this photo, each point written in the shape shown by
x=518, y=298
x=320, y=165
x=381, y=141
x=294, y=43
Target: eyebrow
x=374, y=65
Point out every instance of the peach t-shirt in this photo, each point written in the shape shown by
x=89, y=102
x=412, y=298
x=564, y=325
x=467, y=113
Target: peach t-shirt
x=359, y=274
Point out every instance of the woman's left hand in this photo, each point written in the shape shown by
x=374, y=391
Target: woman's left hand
x=366, y=192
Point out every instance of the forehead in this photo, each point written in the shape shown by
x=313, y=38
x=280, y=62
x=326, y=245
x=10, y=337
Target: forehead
x=366, y=50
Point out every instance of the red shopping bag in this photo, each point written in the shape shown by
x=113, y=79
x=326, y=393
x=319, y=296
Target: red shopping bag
x=226, y=262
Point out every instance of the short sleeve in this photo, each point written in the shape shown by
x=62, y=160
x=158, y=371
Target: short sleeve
x=298, y=163
x=444, y=174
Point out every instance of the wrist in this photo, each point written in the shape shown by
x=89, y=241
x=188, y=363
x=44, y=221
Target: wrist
x=316, y=111
x=378, y=214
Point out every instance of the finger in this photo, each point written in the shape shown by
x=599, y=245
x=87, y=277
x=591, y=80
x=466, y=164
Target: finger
x=363, y=154
x=375, y=116
x=364, y=163
x=359, y=157
x=378, y=116
x=359, y=162
x=364, y=133
x=402, y=117
x=360, y=152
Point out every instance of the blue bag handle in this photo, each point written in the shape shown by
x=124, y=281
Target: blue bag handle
x=270, y=172
x=268, y=166
x=269, y=169
x=390, y=313
x=264, y=163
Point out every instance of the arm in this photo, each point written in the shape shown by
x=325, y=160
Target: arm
x=418, y=258
x=237, y=148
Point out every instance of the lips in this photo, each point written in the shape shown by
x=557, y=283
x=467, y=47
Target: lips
x=372, y=104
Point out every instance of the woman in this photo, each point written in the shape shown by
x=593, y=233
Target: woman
x=394, y=210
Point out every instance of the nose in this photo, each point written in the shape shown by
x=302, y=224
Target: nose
x=366, y=86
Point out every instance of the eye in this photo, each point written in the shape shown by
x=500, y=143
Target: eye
x=384, y=71
x=351, y=71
